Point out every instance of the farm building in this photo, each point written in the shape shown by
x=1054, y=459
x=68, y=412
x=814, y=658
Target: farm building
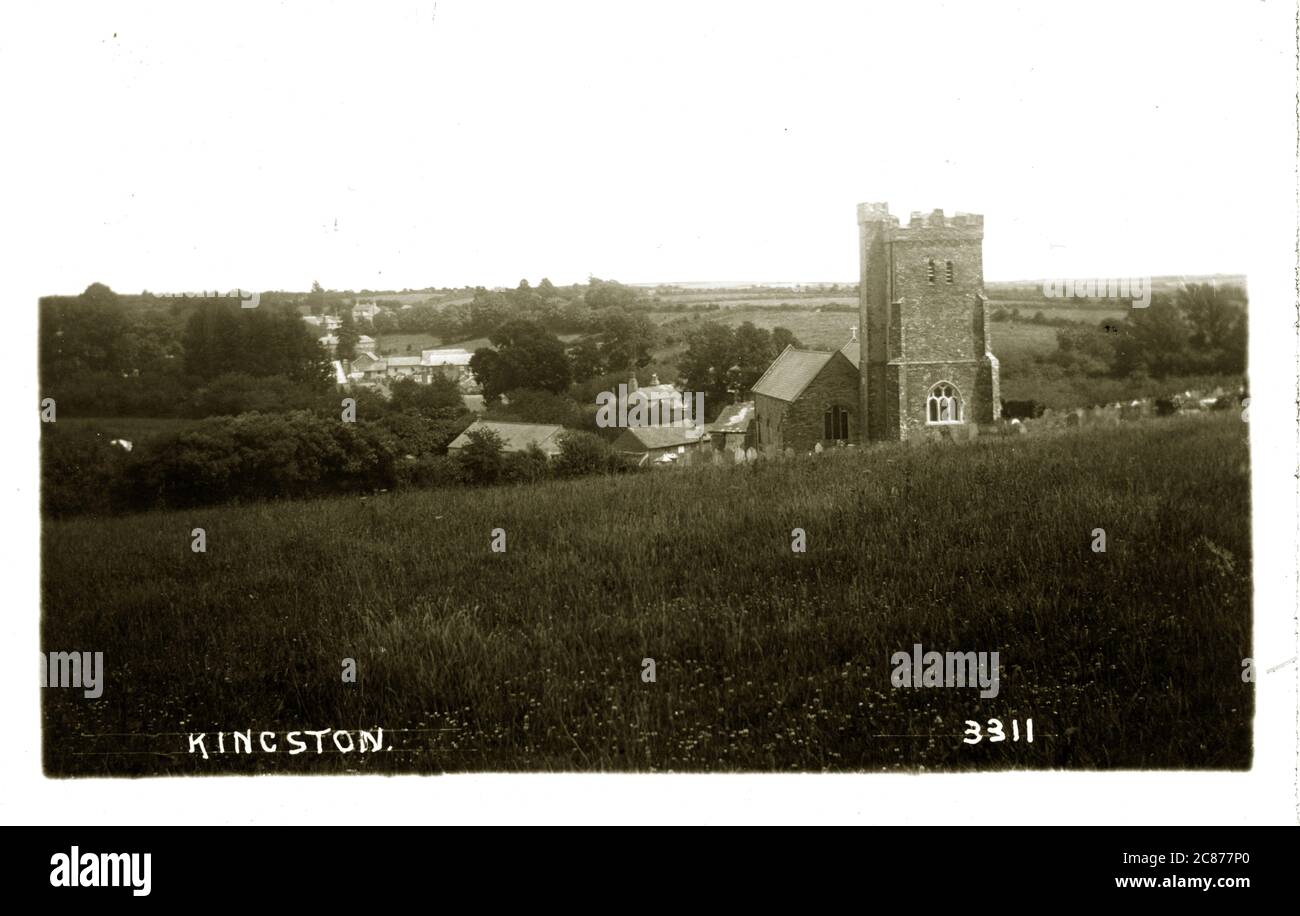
x=450, y=362
x=734, y=427
x=515, y=437
x=646, y=444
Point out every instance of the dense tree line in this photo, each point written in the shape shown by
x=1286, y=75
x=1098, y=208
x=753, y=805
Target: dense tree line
x=1199, y=330
x=157, y=357
x=722, y=360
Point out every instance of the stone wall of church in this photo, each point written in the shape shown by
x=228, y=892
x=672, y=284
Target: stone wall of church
x=769, y=414
x=915, y=383
x=804, y=422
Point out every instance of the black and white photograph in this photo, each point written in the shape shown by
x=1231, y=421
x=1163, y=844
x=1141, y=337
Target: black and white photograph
x=435, y=390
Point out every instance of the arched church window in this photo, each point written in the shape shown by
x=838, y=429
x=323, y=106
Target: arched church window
x=835, y=423
x=944, y=404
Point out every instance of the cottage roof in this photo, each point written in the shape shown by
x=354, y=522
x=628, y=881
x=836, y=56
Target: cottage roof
x=515, y=437
x=791, y=372
x=449, y=356
x=656, y=393
x=403, y=361
x=650, y=437
x=735, y=418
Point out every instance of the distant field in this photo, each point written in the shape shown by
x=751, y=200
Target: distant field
x=1018, y=339
x=405, y=344
x=816, y=329
x=1060, y=308
x=774, y=300
x=766, y=659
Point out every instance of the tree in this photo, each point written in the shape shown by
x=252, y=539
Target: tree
x=607, y=294
x=528, y=466
x=1217, y=325
x=525, y=356
x=348, y=336
x=220, y=337
x=481, y=459
x=316, y=298
x=436, y=400
x=751, y=355
x=584, y=453
x=625, y=342
x=585, y=360
x=708, y=359
x=1154, y=340
x=782, y=338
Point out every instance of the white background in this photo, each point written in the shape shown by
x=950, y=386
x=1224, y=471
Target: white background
x=180, y=147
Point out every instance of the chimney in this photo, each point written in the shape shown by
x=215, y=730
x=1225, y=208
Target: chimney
x=654, y=379
x=632, y=384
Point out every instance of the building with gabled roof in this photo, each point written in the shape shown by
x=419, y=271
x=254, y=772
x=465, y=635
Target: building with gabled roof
x=807, y=398
x=648, y=443
x=515, y=437
x=734, y=427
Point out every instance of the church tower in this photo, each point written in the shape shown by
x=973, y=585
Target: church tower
x=926, y=363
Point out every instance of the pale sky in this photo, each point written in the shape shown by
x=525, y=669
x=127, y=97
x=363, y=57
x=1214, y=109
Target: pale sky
x=408, y=145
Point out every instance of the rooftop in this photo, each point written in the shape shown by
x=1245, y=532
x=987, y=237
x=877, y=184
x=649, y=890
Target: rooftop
x=791, y=372
x=515, y=437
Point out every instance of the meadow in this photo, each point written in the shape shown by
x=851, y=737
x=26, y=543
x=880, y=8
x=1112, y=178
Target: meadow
x=765, y=659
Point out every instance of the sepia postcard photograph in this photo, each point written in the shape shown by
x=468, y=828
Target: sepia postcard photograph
x=438, y=388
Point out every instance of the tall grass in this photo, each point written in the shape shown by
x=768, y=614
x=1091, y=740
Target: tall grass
x=766, y=659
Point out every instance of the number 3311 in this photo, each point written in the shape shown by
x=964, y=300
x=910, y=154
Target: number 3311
x=974, y=733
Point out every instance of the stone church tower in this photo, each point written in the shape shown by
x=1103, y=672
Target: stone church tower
x=926, y=363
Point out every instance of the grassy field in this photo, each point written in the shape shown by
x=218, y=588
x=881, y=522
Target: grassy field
x=404, y=344
x=766, y=659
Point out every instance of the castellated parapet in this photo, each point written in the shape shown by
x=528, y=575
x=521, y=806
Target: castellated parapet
x=926, y=360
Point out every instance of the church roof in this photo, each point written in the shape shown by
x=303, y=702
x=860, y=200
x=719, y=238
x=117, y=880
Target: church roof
x=853, y=350
x=791, y=373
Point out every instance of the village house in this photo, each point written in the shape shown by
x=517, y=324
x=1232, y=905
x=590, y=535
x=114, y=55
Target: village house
x=449, y=362
x=515, y=437
x=400, y=367
x=660, y=404
x=662, y=444
x=365, y=310
x=328, y=322
x=368, y=368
